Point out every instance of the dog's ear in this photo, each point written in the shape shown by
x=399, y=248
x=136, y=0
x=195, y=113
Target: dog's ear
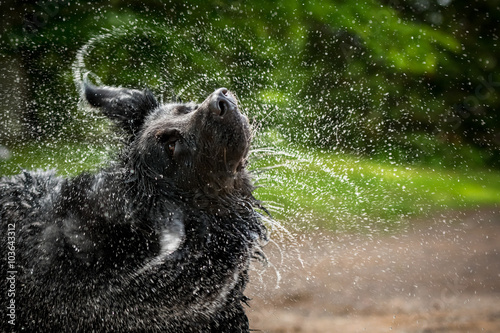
x=127, y=107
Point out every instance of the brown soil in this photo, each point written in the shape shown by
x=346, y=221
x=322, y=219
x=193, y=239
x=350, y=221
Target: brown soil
x=439, y=275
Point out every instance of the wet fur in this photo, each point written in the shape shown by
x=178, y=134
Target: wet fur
x=154, y=242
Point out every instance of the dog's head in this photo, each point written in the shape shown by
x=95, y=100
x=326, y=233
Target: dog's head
x=194, y=147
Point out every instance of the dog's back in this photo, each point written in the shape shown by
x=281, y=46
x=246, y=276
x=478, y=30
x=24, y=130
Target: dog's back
x=25, y=196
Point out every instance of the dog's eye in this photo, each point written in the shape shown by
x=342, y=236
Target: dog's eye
x=171, y=148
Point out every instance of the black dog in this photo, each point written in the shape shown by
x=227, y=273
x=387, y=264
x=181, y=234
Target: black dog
x=161, y=240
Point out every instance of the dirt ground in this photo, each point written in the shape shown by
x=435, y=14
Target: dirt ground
x=439, y=275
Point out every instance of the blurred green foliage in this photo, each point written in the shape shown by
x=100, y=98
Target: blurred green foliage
x=322, y=189
x=404, y=82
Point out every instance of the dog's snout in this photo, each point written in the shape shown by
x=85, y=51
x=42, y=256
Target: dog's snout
x=222, y=102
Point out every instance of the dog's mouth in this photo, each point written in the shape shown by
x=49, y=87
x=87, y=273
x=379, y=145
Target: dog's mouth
x=228, y=128
x=234, y=165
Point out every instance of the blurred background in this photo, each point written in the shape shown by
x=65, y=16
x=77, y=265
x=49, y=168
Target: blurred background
x=372, y=118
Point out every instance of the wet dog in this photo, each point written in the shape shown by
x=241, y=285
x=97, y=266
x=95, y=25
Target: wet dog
x=160, y=240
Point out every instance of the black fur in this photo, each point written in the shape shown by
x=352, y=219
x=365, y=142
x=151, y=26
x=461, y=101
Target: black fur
x=161, y=240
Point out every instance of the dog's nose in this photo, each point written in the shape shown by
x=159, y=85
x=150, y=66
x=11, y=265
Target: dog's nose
x=222, y=102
